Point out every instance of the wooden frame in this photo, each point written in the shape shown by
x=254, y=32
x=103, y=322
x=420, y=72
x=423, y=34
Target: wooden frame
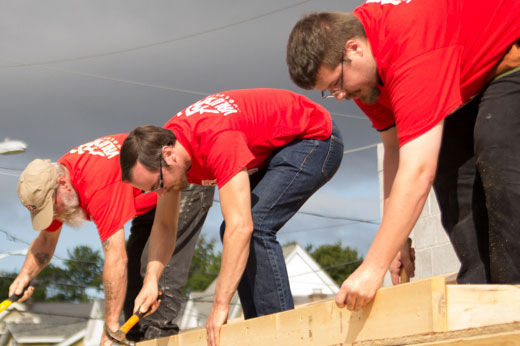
x=425, y=312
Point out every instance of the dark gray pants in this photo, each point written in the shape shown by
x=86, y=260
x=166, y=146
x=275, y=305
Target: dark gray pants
x=195, y=203
x=478, y=183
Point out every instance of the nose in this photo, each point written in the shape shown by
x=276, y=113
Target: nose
x=340, y=95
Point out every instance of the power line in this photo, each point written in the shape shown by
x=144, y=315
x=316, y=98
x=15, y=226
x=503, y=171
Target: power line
x=360, y=148
x=11, y=169
x=160, y=43
x=11, y=237
x=349, y=116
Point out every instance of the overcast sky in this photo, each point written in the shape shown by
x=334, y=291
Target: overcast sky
x=72, y=71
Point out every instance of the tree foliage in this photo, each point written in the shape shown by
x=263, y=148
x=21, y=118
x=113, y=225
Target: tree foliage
x=82, y=270
x=204, y=267
x=338, y=261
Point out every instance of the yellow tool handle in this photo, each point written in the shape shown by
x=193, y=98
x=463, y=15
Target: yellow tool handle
x=13, y=298
x=130, y=323
x=5, y=304
x=136, y=317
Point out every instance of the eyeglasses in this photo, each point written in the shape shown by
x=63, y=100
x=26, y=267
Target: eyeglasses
x=161, y=182
x=334, y=93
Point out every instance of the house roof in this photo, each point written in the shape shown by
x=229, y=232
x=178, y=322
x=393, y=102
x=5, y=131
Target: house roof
x=59, y=321
x=46, y=331
x=80, y=310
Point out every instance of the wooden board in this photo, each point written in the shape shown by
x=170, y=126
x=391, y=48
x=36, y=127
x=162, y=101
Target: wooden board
x=471, y=306
x=412, y=308
x=425, y=312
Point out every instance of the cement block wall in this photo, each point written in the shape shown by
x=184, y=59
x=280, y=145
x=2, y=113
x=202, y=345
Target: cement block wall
x=433, y=251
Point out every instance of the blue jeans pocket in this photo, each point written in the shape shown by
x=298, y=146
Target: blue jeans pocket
x=334, y=156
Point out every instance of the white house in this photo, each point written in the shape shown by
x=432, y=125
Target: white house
x=45, y=324
x=308, y=281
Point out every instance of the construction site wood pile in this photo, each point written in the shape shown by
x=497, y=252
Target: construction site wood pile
x=425, y=312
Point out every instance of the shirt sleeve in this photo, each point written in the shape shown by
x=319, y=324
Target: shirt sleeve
x=382, y=118
x=55, y=225
x=111, y=207
x=424, y=90
x=228, y=155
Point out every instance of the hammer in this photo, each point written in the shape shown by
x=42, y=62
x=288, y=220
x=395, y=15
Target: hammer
x=13, y=298
x=119, y=336
x=403, y=275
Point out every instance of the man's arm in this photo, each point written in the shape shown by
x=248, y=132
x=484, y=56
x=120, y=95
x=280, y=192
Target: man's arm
x=390, y=165
x=235, y=202
x=408, y=193
x=160, y=248
x=114, y=277
x=39, y=255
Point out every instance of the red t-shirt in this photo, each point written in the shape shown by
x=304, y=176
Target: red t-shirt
x=106, y=200
x=228, y=131
x=433, y=56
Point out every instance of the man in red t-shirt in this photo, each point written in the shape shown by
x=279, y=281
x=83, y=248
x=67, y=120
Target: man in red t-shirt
x=440, y=81
x=267, y=151
x=85, y=184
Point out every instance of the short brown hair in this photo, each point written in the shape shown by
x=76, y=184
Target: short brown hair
x=144, y=144
x=316, y=39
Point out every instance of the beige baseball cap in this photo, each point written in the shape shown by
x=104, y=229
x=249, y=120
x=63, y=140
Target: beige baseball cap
x=35, y=190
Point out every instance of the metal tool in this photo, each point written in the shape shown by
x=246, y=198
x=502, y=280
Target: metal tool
x=403, y=275
x=13, y=298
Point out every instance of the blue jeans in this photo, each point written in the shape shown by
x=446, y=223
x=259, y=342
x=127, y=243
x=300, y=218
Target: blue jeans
x=292, y=175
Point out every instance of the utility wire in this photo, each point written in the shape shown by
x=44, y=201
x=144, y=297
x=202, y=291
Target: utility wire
x=160, y=43
x=360, y=148
x=349, y=116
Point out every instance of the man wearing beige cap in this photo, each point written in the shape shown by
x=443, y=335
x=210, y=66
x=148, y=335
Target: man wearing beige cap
x=86, y=184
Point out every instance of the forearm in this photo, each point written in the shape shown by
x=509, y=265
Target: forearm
x=163, y=234
x=402, y=209
x=114, y=283
x=40, y=254
x=234, y=258
x=114, y=277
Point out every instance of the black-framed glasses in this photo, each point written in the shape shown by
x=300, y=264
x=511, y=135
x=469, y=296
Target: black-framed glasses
x=326, y=94
x=161, y=181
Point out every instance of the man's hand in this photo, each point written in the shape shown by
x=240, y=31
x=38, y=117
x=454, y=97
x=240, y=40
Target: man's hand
x=217, y=317
x=146, y=301
x=105, y=341
x=405, y=258
x=360, y=287
x=18, y=286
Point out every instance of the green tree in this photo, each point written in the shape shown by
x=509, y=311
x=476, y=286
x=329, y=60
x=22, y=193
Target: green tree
x=204, y=267
x=5, y=281
x=338, y=261
x=83, y=270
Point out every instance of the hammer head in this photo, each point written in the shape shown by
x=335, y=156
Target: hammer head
x=118, y=337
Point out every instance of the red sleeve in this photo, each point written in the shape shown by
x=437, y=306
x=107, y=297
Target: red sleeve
x=424, y=90
x=55, y=225
x=228, y=155
x=382, y=118
x=111, y=207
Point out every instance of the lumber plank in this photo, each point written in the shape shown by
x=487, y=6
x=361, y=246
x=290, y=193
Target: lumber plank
x=414, y=308
x=471, y=306
x=496, y=335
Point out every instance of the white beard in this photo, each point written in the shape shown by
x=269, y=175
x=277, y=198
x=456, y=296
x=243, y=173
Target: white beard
x=73, y=215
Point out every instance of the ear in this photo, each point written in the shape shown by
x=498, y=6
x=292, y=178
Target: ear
x=353, y=47
x=168, y=153
x=61, y=180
